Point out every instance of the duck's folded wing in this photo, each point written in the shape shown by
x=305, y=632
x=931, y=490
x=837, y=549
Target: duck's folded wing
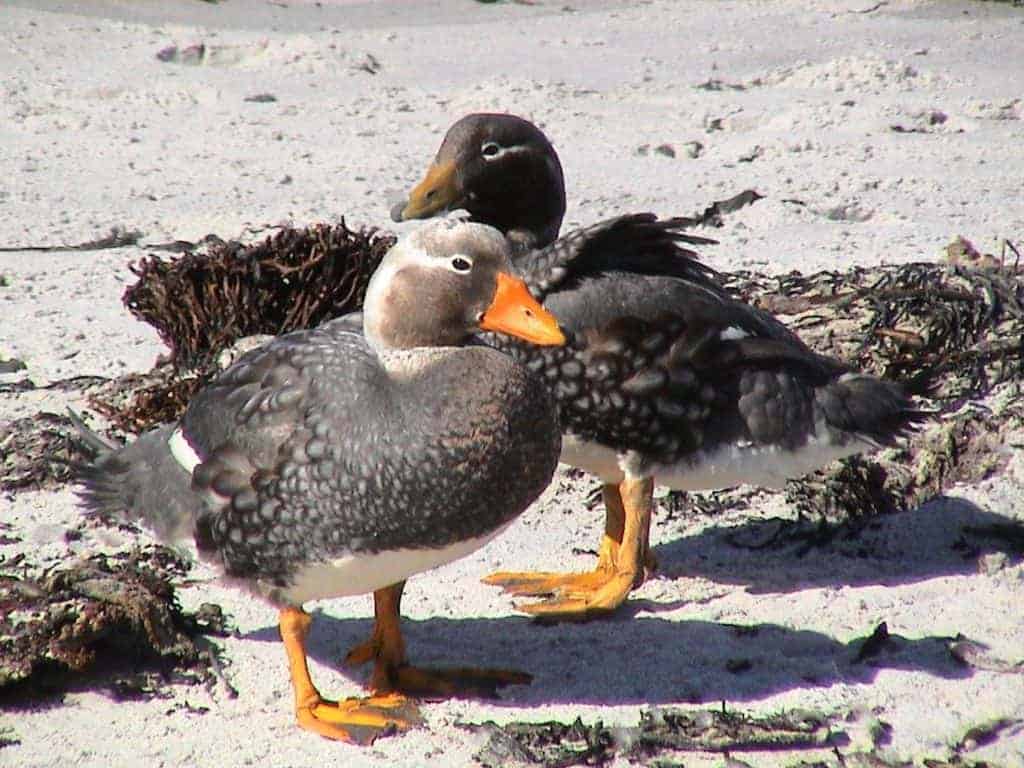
x=708, y=373
x=269, y=437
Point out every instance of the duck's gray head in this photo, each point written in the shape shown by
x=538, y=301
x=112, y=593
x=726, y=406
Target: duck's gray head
x=502, y=170
x=442, y=283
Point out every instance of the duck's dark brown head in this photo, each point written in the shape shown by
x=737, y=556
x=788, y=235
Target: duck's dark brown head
x=502, y=170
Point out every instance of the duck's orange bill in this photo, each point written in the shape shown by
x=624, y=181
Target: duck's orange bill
x=437, y=192
x=515, y=312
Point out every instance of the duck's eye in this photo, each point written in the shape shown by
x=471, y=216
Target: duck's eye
x=461, y=264
x=490, y=149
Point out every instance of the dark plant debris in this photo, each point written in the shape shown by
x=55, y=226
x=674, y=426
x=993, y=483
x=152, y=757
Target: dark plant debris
x=951, y=331
x=112, y=619
x=854, y=491
x=184, y=246
x=218, y=292
x=370, y=64
x=557, y=745
x=201, y=302
x=36, y=452
x=715, y=84
x=70, y=384
x=119, y=237
x=712, y=216
x=679, y=504
x=139, y=401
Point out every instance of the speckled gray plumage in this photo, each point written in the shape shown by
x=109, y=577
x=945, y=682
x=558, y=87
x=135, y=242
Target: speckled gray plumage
x=653, y=366
x=438, y=446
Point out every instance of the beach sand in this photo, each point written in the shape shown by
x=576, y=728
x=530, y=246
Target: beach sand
x=876, y=131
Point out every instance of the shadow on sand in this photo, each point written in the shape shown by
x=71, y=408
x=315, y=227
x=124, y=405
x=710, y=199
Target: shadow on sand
x=637, y=658
x=943, y=537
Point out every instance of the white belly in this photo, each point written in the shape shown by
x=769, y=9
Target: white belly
x=725, y=466
x=362, y=573
x=768, y=466
x=594, y=458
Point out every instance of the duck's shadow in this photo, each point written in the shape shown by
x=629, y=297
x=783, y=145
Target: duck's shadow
x=944, y=537
x=637, y=660
x=635, y=657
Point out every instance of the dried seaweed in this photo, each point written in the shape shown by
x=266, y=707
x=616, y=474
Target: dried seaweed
x=557, y=745
x=70, y=384
x=119, y=237
x=712, y=216
x=139, y=401
x=204, y=302
x=964, y=447
x=201, y=302
x=36, y=452
x=854, y=490
x=97, y=618
x=950, y=331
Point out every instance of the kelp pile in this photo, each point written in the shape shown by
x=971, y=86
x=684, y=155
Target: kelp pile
x=108, y=619
x=950, y=331
x=202, y=302
x=554, y=744
x=36, y=452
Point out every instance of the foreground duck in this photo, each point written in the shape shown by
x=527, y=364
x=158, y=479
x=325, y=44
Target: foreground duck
x=334, y=462
x=666, y=377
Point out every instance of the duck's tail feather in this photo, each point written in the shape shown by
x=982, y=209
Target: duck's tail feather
x=139, y=482
x=874, y=409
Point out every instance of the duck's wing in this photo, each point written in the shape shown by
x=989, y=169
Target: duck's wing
x=639, y=243
x=275, y=440
x=261, y=458
x=707, y=373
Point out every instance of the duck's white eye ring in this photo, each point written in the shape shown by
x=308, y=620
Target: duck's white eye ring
x=461, y=264
x=490, y=150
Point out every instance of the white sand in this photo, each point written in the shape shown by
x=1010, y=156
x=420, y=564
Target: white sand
x=95, y=131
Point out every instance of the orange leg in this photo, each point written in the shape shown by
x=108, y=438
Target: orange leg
x=392, y=672
x=624, y=561
x=358, y=721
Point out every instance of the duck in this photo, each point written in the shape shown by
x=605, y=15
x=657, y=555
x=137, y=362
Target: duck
x=338, y=460
x=665, y=378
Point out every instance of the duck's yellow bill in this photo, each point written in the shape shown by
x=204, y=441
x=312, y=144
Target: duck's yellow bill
x=437, y=192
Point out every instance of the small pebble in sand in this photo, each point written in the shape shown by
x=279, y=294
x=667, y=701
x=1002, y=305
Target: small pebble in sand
x=693, y=149
x=992, y=563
